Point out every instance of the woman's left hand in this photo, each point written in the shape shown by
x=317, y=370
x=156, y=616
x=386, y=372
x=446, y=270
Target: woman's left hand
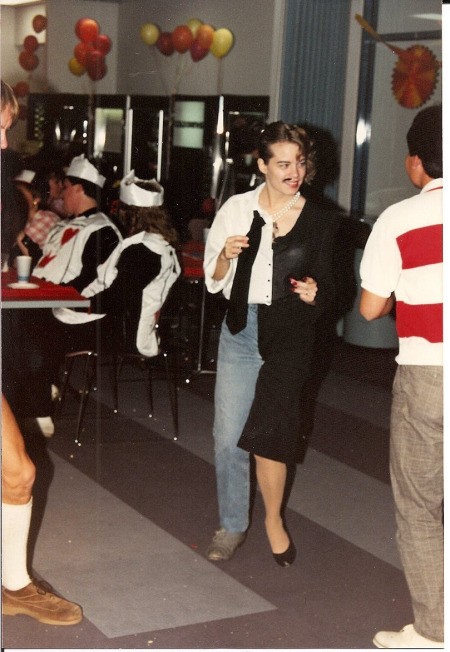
x=306, y=289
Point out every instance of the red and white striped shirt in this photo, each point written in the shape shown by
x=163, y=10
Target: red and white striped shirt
x=404, y=254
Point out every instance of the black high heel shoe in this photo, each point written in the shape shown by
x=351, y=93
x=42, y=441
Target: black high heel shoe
x=287, y=557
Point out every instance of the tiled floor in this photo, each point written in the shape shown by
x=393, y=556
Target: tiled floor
x=122, y=523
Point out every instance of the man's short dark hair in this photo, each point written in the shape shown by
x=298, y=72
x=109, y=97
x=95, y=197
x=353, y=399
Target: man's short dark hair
x=424, y=139
x=90, y=189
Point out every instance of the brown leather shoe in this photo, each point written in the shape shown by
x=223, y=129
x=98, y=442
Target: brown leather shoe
x=38, y=601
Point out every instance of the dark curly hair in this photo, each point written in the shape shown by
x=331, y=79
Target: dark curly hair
x=153, y=219
x=282, y=132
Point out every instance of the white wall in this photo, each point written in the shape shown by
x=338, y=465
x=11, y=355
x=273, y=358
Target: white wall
x=245, y=70
x=15, y=24
x=135, y=68
x=62, y=17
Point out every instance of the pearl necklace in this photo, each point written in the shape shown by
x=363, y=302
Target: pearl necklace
x=276, y=216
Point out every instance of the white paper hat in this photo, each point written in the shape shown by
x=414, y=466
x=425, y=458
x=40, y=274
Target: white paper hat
x=26, y=176
x=133, y=195
x=81, y=168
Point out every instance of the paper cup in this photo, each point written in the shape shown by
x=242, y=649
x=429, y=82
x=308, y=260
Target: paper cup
x=23, y=266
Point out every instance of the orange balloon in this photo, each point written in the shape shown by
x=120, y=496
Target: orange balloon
x=87, y=29
x=204, y=36
x=76, y=68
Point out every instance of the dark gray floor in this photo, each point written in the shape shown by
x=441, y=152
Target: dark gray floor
x=127, y=516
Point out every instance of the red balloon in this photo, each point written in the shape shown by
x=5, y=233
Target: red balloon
x=30, y=43
x=39, y=23
x=182, y=38
x=165, y=44
x=87, y=29
x=95, y=65
x=103, y=43
x=94, y=59
x=197, y=52
x=21, y=89
x=81, y=51
x=28, y=60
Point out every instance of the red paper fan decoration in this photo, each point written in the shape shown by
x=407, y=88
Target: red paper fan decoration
x=415, y=73
x=415, y=76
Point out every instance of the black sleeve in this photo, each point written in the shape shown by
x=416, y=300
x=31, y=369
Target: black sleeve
x=326, y=227
x=97, y=249
x=136, y=268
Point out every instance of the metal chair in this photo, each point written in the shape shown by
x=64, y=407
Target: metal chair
x=147, y=364
x=116, y=359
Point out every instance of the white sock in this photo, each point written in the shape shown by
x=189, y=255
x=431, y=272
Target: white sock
x=15, y=527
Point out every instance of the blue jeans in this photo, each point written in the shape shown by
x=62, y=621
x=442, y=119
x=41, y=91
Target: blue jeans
x=238, y=365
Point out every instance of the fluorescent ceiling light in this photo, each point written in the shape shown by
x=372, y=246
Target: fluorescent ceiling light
x=428, y=16
x=16, y=3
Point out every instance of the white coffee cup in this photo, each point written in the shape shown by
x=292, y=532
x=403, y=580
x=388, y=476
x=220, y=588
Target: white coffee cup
x=205, y=234
x=23, y=266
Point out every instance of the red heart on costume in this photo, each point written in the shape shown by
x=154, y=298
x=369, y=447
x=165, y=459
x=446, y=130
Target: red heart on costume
x=68, y=235
x=45, y=260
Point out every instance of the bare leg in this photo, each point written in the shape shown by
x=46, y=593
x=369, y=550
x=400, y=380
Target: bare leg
x=271, y=476
x=18, y=475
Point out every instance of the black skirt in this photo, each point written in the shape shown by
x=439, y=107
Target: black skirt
x=286, y=337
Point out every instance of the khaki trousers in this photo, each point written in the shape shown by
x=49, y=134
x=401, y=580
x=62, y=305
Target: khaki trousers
x=416, y=466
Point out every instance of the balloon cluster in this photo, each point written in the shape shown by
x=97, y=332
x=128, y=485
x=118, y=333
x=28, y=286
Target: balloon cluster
x=28, y=58
x=197, y=37
x=89, y=54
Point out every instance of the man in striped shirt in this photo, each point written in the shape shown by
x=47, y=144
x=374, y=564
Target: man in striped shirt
x=403, y=263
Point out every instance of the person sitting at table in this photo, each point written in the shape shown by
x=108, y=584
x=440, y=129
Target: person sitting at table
x=31, y=238
x=72, y=255
x=133, y=283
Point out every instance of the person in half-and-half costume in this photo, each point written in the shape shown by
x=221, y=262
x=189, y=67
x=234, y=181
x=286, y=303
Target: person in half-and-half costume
x=270, y=252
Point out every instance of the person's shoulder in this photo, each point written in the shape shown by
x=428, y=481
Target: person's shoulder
x=323, y=215
x=242, y=198
x=401, y=209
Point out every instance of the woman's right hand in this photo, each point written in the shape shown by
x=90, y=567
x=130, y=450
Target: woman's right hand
x=233, y=247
